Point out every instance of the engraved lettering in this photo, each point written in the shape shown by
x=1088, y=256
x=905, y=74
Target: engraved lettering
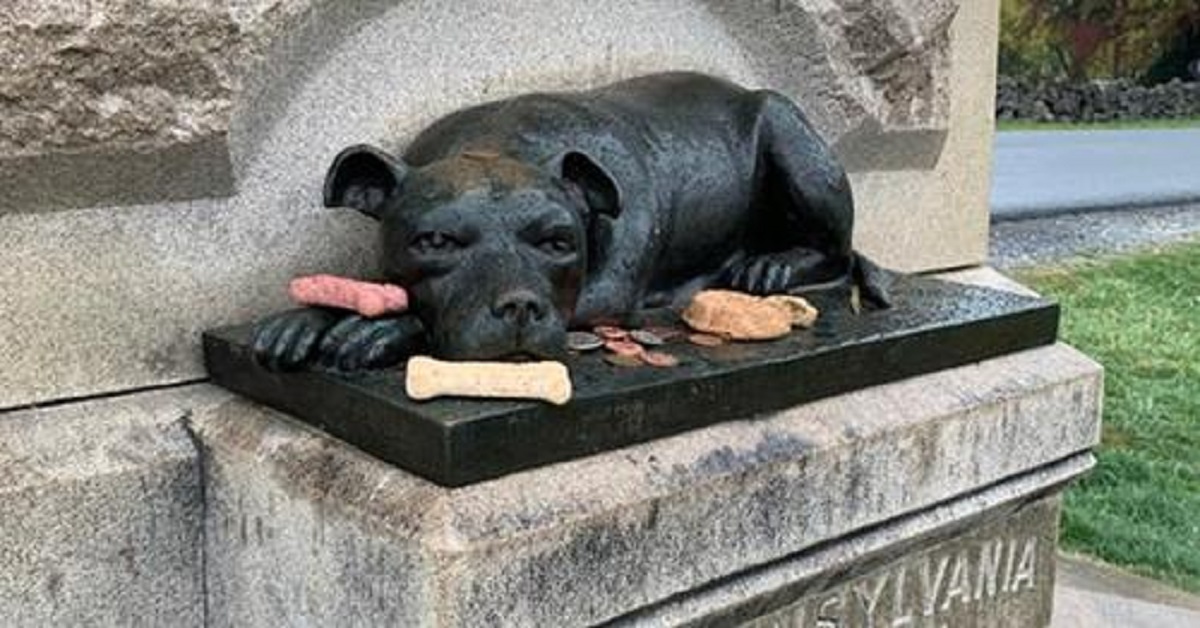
x=931, y=585
x=868, y=599
x=829, y=612
x=948, y=580
x=990, y=557
x=1008, y=569
x=1026, y=568
x=799, y=616
x=900, y=617
x=960, y=585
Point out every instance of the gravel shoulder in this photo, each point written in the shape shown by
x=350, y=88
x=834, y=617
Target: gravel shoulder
x=1039, y=241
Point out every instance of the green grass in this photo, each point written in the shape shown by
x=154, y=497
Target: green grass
x=1020, y=125
x=1140, y=317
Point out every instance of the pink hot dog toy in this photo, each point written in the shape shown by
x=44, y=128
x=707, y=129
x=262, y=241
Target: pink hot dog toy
x=368, y=299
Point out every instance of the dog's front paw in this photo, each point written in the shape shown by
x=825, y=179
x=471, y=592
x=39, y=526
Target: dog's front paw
x=285, y=342
x=358, y=343
x=762, y=274
x=778, y=273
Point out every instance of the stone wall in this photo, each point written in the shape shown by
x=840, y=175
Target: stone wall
x=1094, y=101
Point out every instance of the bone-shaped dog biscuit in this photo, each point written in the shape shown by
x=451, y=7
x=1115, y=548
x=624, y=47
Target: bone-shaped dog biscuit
x=368, y=299
x=428, y=378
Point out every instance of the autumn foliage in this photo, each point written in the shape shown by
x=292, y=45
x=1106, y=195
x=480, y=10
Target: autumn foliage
x=1080, y=39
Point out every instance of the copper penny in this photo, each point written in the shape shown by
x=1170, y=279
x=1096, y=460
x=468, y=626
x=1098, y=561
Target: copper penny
x=706, y=340
x=667, y=334
x=610, y=332
x=646, y=338
x=624, y=347
x=624, y=361
x=660, y=359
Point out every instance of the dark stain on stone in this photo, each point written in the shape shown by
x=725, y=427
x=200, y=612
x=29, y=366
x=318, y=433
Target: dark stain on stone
x=129, y=555
x=652, y=516
x=773, y=446
x=54, y=585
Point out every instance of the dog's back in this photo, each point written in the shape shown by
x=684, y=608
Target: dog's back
x=682, y=129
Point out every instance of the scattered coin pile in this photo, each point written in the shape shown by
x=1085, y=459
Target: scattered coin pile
x=626, y=348
x=715, y=317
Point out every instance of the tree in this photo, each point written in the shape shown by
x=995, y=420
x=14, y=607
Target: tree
x=1089, y=38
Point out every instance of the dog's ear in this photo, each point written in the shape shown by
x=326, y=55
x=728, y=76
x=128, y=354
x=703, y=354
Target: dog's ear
x=599, y=188
x=365, y=178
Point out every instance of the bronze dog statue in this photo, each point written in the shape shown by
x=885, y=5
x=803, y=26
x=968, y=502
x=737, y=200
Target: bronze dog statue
x=511, y=221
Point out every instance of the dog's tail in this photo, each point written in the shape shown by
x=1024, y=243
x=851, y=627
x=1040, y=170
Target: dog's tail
x=869, y=284
x=873, y=282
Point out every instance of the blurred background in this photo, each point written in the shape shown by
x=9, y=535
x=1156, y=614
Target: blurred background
x=1144, y=41
x=1099, y=60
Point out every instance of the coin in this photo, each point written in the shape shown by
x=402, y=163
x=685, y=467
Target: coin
x=624, y=361
x=706, y=340
x=583, y=341
x=666, y=334
x=624, y=347
x=660, y=359
x=646, y=338
x=610, y=332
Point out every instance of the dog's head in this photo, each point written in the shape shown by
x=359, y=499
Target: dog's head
x=494, y=251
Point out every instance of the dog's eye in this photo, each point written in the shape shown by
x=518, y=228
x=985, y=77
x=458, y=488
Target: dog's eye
x=435, y=242
x=557, y=245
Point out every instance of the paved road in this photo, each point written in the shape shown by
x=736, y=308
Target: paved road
x=1040, y=173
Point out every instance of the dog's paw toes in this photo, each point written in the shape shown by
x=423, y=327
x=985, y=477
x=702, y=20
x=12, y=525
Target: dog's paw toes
x=762, y=275
x=286, y=341
x=358, y=343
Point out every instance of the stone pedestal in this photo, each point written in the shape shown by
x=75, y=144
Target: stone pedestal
x=175, y=188
x=932, y=501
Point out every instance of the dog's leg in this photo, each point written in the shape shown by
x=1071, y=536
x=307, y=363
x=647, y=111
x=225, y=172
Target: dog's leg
x=820, y=212
x=628, y=245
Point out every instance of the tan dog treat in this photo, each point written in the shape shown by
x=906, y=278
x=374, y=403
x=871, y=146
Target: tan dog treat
x=803, y=313
x=737, y=316
x=427, y=378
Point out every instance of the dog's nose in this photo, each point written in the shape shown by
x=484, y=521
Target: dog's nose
x=520, y=307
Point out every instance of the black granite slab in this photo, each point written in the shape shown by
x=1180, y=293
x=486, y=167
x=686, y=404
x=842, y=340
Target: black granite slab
x=935, y=325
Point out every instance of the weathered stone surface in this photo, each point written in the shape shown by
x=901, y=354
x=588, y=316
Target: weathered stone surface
x=101, y=513
x=103, y=300
x=116, y=75
x=999, y=573
x=126, y=72
x=933, y=219
x=303, y=529
x=106, y=299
